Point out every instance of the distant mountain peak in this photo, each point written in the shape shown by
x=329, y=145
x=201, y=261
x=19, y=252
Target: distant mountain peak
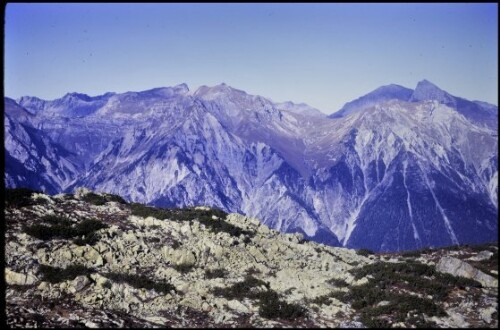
x=182, y=88
x=383, y=93
x=75, y=95
x=426, y=90
x=210, y=92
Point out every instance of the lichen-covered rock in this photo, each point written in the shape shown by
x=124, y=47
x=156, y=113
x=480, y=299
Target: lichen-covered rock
x=458, y=267
x=168, y=273
x=481, y=256
x=12, y=277
x=79, y=283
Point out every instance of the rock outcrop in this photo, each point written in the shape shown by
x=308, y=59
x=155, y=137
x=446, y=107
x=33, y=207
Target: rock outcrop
x=458, y=267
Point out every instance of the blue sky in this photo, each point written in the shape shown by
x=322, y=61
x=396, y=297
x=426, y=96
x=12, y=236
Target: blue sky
x=320, y=54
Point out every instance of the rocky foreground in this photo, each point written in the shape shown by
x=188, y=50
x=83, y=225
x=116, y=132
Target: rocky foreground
x=93, y=260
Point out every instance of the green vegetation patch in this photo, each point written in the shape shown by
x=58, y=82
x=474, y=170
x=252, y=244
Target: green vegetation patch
x=19, y=197
x=219, y=225
x=337, y=282
x=54, y=226
x=183, y=268
x=94, y=198
x=364, y=252
x=101, y=199
x=386, y=279
x=216, y=273
x=205, y=217
x=248, y=288
x=56, y=275
x=270, y=304
x=272, y=307
x=141, y=281
x=115, y=198
x=417, y=253
x=414, y=275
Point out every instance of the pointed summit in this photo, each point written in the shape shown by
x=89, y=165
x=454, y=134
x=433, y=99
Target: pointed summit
x=426, y=90
x=383, y=93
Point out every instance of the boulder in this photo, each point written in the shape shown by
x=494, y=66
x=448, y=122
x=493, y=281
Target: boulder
x=79, y=283
x=94, y=257
x=457, y=267
x=481, y=256
x=487, y=313
x=100, y=280
x=81, y=191
x=178, y=257
x=12, y=277
x=237, y=306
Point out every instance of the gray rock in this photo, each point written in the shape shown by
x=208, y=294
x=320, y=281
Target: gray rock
x=458, y=267
x=12, y=277
x=94, y=257
x=79, y=283
x=181, y=257
x=456, y=319
x=486, y=314
x=81, y=191
x=483, y=255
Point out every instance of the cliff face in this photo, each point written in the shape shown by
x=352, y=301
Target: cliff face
x=93, y=260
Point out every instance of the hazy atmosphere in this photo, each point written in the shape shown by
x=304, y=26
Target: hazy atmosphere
x=320, y=54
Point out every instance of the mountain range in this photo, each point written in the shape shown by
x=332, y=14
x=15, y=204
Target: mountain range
x=396, y=169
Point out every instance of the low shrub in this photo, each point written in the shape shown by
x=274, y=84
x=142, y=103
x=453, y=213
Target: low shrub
x=323, y=300
x=56, y=275
x=62, y=227
x=269, y=302
x=19, y=197
x=364, y=252
x=416, y=253
x=88, y=226
x=272, y=307
x=246, y=288
x=205, y=217
x=386, y=279
x=183, y=268
x=46, y=233
x=219, y=225
x=56, y=220
x=141, y=281
x=89, y=239
x=144, y=211
x=216, y=273
x=94, y=198
x=337, y=282
x=115, y=198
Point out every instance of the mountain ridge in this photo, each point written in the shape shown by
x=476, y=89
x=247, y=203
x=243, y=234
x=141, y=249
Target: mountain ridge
x=295, y=171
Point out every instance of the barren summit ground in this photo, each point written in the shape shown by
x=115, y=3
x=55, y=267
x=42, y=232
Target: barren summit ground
x=94, y=260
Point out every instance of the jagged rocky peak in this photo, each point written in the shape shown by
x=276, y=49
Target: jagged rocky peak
x=31, y=103
x=426, y=90
x=79, y=96
x=17, y=112
x=92, y=259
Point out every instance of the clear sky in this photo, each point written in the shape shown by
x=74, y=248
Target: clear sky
x=322, y=54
